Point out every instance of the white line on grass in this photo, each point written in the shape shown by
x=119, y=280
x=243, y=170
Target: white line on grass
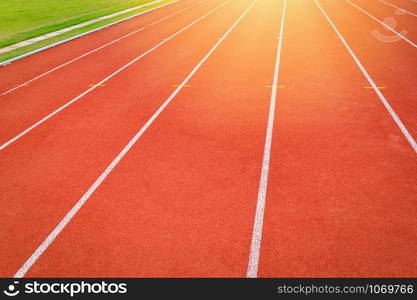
x=384, y=101
x=399, y=8
x=383, y=24
x=41, y=249
x=103, y=46
x=2, y=147
x=252, y=271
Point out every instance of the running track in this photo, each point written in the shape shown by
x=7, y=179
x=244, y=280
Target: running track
x=225, y=138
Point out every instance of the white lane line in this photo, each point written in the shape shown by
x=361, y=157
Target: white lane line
x=41, y=249
x=9, y=61
x=399, y=8
x=70, y=28
x=103, y=46
x=107, y=78
x=384, y=101
x=252, y=271
x=383, y=24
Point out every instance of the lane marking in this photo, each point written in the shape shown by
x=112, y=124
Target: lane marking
x=45, y=244
x=383, y=24
x=278, y=86
x=107, y=44
x=252, y=271
x=70, y=28
x=4, y=63
x=96, y=85
x=177, y=85
x=399, y=8
x=108, y=77
x=384, y=101
x=378, y=87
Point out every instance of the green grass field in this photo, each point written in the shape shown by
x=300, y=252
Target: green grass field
x=24, y=19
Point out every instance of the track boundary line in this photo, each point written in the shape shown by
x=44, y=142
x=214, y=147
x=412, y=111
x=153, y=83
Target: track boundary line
x=381, y=96
x=252, y=271
x=44, y=119
x=45, y=36
x=102, y=46
x=9, y=61
x=51, y=237
x=383, y=24
x=402, y=9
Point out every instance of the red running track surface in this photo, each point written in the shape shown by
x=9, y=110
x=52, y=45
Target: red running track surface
x=342, y=182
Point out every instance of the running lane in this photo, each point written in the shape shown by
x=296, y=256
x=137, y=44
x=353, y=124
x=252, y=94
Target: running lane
x=399, y=20
x=341, y=198
x=46, y=172
x=25, y=69
x=392, y=65
x=25, y=106
x=410, y=5
x=181, y=203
